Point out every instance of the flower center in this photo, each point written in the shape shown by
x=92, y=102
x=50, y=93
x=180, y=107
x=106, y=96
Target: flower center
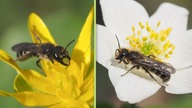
x=150, y=41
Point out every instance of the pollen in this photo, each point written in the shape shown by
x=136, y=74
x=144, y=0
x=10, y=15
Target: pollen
x=151, y=41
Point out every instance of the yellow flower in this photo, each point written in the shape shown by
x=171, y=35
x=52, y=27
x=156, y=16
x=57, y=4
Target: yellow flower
x=61, y=86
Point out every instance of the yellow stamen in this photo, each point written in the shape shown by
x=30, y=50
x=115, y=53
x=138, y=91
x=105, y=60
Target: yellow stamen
x=144, y=38
x=139, y=32
x=148, y=28
x=155, y=43
x=133, y=29
x=158, y=24
x=170, y=52
x=141, y=25
x=163, y=37
x=167, y=56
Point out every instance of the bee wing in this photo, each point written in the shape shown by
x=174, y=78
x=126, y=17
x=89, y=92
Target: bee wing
x=24, y=46
x=157, y=65
x=25, y=50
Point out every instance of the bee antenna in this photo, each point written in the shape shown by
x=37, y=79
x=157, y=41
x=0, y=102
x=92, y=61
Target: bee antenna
x=117, y=41
x=69, y=44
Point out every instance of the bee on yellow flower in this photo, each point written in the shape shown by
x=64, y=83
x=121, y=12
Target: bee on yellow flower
x=61, y=86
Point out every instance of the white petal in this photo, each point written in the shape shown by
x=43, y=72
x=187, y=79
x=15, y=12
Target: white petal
x=171, y=15
x=130, y=87
x=106, y=45
x=182, y=54
x=180, y=82
x=120, y=15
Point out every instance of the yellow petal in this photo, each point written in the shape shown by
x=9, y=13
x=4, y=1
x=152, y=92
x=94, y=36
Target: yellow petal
x=82, y=49
x=36, y=99
x=6, y=58
x=75, y=74
x=37, y=29
x=69, y=79
x=4, y=93
x=91, y=103
x=32, y=77
x=71, y=104
x=33, y=98
x=88, y=87
x=38, y=82
x=21, y=85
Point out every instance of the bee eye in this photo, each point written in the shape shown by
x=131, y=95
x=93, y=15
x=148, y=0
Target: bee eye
x=56, y=56
x=124, y=54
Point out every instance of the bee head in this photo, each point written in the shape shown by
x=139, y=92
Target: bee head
x=120, y=54
x=61, y=55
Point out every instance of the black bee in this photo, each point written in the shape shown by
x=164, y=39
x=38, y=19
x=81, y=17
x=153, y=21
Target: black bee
x=147, y=63
x=43, y=50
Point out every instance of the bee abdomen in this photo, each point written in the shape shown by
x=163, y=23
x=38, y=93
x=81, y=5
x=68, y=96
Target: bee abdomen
x=24, y=54
x=164, y=75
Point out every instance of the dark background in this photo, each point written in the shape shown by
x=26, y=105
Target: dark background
x=106, y=96
x=64, y=18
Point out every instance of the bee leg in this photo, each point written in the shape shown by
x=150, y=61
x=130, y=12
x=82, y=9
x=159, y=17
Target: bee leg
x=152, y=76
x=135, y=66
x=126, y=63
x=51, y=60
x=37, y=63
x=114, y=64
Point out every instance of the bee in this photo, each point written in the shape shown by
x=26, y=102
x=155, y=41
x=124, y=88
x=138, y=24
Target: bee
x=147, y=63
x=42, y=50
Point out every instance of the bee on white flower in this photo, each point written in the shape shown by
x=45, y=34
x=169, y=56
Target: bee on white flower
x=161, y=45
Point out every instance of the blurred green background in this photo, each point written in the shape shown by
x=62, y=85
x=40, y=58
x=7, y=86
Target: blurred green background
x=106, y=96
x=64, y=18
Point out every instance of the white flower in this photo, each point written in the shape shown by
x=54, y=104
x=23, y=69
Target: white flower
x=123, y=18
